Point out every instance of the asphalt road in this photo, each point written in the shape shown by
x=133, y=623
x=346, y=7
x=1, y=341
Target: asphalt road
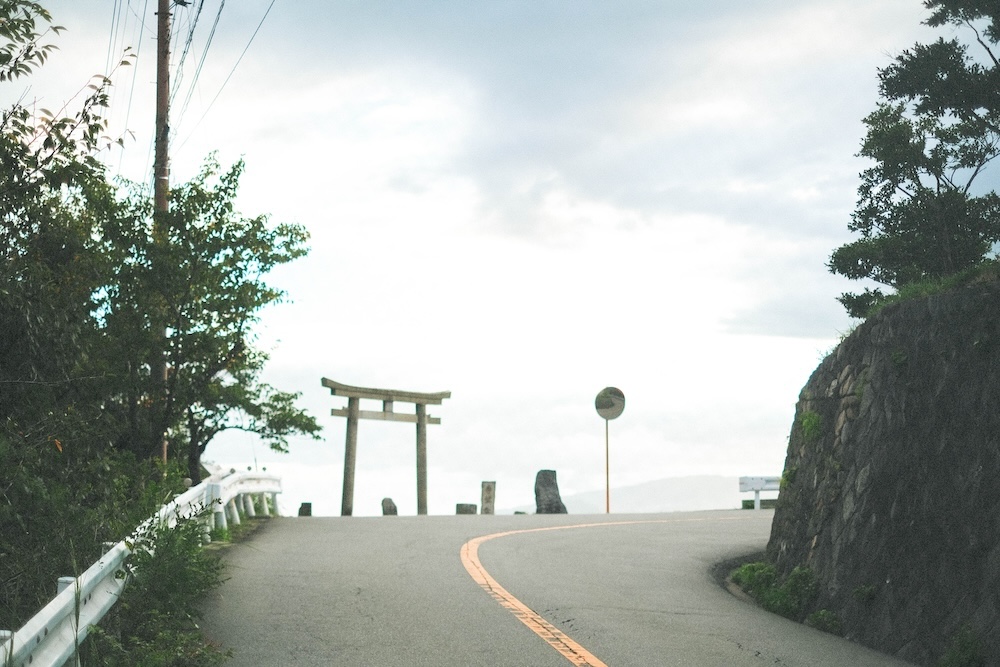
x=394, y=591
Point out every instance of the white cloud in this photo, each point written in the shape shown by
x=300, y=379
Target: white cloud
x=524, y=202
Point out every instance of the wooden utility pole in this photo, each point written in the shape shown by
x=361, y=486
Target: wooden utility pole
x=161, y=174
x=161, y=164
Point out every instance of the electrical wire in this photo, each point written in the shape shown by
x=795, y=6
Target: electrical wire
x=193, y=24
x=115, y=23
x=121, y=11
x=233, y=70
x=201, y=64
x=140, y=25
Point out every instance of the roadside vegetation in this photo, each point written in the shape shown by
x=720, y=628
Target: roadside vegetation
x=790, y=596
x=128, y=344
x=795, y=595
x=928, y=212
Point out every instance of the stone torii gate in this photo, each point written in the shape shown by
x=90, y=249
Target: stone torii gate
x=388, y=397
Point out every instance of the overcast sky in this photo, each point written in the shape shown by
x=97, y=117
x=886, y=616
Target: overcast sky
x=523, y=202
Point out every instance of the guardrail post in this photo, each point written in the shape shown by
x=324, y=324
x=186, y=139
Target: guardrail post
x=264, y=510
x=234, y=514
x=274, y=504
x=206, y=528
x=63, y=583
x=220, y=518
x=248, y=505
x=758, y=484
x=218, y=511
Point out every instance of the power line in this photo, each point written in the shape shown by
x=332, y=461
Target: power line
x=131, y=93
x=187, y=47
x=233, y=70
x=112, y=41
x=201, y=63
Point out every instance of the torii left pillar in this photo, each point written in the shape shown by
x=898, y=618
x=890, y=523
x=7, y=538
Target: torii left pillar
x=389, y=397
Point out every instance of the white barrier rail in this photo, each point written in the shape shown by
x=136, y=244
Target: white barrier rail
x=758, y=484
x=52, y=636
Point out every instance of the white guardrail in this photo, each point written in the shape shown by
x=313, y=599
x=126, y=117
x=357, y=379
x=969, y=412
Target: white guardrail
x=758, y=484
x=51, y=637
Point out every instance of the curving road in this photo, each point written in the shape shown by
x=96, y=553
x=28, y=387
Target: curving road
x=614, y=590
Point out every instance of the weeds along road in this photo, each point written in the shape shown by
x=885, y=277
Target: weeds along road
x=614, y=590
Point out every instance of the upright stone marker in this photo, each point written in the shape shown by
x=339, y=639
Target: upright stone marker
x=547, y=498
x=489, y=497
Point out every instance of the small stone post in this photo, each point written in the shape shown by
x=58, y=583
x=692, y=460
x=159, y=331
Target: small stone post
x=489, y=497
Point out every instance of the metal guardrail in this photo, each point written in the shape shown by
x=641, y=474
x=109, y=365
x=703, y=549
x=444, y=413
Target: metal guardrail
x=758, y=484
x=52, y=636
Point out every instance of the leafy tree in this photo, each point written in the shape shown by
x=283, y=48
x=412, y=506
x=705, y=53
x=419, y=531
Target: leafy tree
x=48, y=168
x=922, y=210
x=89, y=285
x=204, y=268
x=81, y=282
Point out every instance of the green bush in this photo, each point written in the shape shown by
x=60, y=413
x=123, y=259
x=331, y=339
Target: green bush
x=825, y=620
x=63, y=494
x=811, y=424
x=755, y=578
x=788, y=477
x=789, y=597
x=155, y=622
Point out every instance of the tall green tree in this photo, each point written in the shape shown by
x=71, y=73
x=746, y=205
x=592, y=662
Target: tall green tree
x=204, y=267
x=80, y=282
x=927, y=208
x=48, y=168
x=87, y=283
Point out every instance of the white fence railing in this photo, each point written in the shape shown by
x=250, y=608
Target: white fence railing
x=758, y=484
x=52, y=636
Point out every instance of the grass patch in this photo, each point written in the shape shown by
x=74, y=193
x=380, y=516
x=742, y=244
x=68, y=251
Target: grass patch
x=811, y=424
x=825, y=620
x=788, y=597
x=788, y=477
x=988, y=271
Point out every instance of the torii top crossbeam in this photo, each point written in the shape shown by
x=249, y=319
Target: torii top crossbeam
x=340, y=389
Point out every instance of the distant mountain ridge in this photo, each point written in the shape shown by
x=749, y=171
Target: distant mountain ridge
x=672, y=494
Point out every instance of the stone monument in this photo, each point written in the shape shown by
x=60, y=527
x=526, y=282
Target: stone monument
x=547, y=500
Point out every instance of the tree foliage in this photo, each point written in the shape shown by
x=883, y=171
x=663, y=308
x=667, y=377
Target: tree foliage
x=924, y=209
x=87, y=284
x=46, y=164
x=91, y=284
x=203, y=269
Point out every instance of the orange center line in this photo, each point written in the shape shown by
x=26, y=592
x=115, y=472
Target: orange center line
x=557, y=639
